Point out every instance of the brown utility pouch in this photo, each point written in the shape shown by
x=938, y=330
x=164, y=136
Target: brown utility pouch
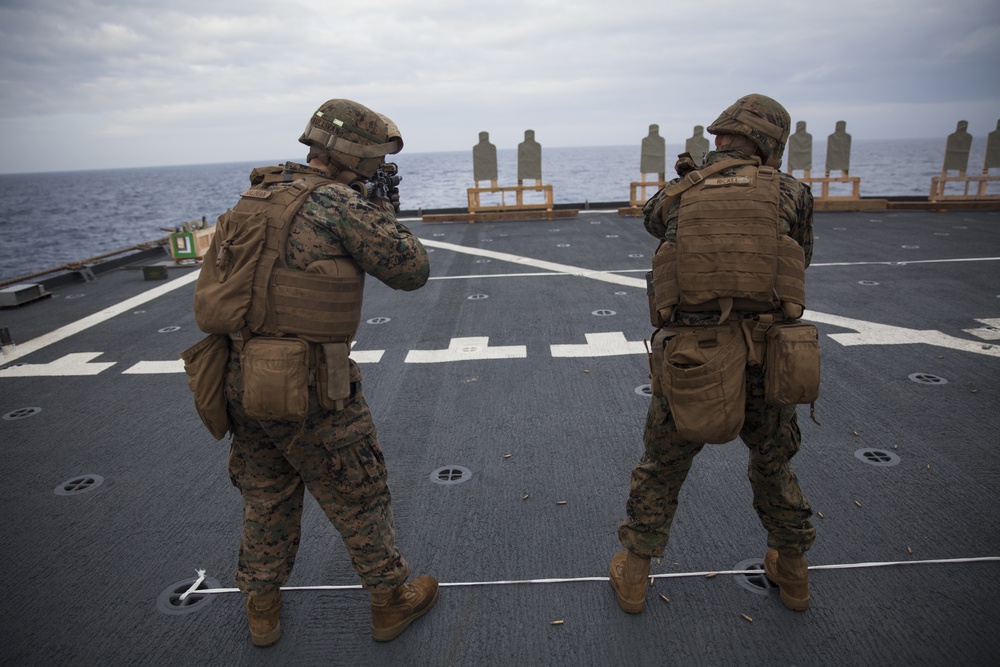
x=704, y=381
x=333, y=376
x=276, y=378
x=791, y=365
x=205, y=365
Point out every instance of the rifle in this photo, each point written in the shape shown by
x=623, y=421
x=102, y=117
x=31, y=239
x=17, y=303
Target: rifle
x=383, y=185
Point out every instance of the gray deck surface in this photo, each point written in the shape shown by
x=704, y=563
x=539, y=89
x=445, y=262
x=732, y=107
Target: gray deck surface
x=83, y=572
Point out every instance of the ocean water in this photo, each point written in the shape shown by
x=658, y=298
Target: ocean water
x=50, y=219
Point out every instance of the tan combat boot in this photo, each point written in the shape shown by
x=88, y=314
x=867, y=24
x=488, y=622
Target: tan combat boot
x=262, y=614
x=791, y=574
x=629, y=578
x=393, y=612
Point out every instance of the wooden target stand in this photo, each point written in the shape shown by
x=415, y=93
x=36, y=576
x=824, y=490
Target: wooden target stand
x=940, y=183
x=824, y=201
x=518, y=210
x=637, y=194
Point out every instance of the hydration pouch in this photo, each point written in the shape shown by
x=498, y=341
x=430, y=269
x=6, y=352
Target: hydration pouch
x=276, y=378
x=704, y=382
x=222, y=294
x=791, y=365
x=205, y=366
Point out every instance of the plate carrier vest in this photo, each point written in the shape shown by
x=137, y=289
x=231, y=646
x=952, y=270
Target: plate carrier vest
x=731, y=251
x=246, y=288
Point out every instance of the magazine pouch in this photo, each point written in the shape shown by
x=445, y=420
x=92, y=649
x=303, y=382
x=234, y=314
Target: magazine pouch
x=704, y=382
x=791, y=367
x=205, y=365
x=333, y=376
x=276, y=378
x=659, y=343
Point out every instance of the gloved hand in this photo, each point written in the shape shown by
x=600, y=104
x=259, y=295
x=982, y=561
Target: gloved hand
x=390, y=205
x=394, y=199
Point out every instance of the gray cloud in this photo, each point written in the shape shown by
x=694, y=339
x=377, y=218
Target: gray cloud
x=103, y=83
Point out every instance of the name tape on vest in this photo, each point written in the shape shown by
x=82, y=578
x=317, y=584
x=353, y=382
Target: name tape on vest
x=257, y=194
x=729, y=180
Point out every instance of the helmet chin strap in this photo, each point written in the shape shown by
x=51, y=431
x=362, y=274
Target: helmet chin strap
x=737, y=142
x=336, y=168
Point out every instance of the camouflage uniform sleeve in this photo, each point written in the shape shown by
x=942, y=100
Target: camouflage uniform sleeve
x=656, y=220
x=382, y=246
x=651, y=218
x=797, y=212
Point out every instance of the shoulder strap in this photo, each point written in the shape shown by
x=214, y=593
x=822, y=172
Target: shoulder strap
x=673, y=192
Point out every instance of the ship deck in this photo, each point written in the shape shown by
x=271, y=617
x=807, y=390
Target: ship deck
x=521, y=366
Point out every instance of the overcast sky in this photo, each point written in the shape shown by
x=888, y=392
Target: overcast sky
x=124, y=83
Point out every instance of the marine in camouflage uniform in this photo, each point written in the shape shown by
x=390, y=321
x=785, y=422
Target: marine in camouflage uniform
x=770, y=433
x=334, y=454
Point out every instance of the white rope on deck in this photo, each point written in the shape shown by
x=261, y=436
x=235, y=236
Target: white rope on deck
x=668, y=575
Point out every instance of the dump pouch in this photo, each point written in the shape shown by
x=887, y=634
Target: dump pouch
x=791, y=366
x=275, y=378
x=704, y=382
x=205, y=366
x=222, y=293
x=333, y=375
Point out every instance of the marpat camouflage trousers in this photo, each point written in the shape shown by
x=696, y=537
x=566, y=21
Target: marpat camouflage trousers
x=272, y=463
x=772, y=436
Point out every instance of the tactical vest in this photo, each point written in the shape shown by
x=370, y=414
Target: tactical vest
x=731, y=251
x=245, y=286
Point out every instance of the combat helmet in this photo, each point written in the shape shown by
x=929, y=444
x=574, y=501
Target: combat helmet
x=761, y=120
x=357, y=137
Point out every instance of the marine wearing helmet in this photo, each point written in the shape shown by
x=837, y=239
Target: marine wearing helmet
x=347, y=136
x=760, y=119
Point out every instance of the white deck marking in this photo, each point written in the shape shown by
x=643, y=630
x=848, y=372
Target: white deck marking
x=610, y=344
x=909, y=261
x=467, y=349
x=97, y=318
x=77, y=363
x=367, y=356
x=990, y=332
x=641, y=282
x=871, y=333
x=565, y=269
x=155, y=367
x=462, y=349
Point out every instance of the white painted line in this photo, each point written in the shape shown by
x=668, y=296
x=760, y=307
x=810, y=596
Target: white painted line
x=909, y=261
x=539, y=264
x=367, y=356
x=72, y=364
x=669, y=575
x=466, y=349
x=609, y=344
x=871, y=333
x=155, y=367
x=990, y=332
x=97, y=318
